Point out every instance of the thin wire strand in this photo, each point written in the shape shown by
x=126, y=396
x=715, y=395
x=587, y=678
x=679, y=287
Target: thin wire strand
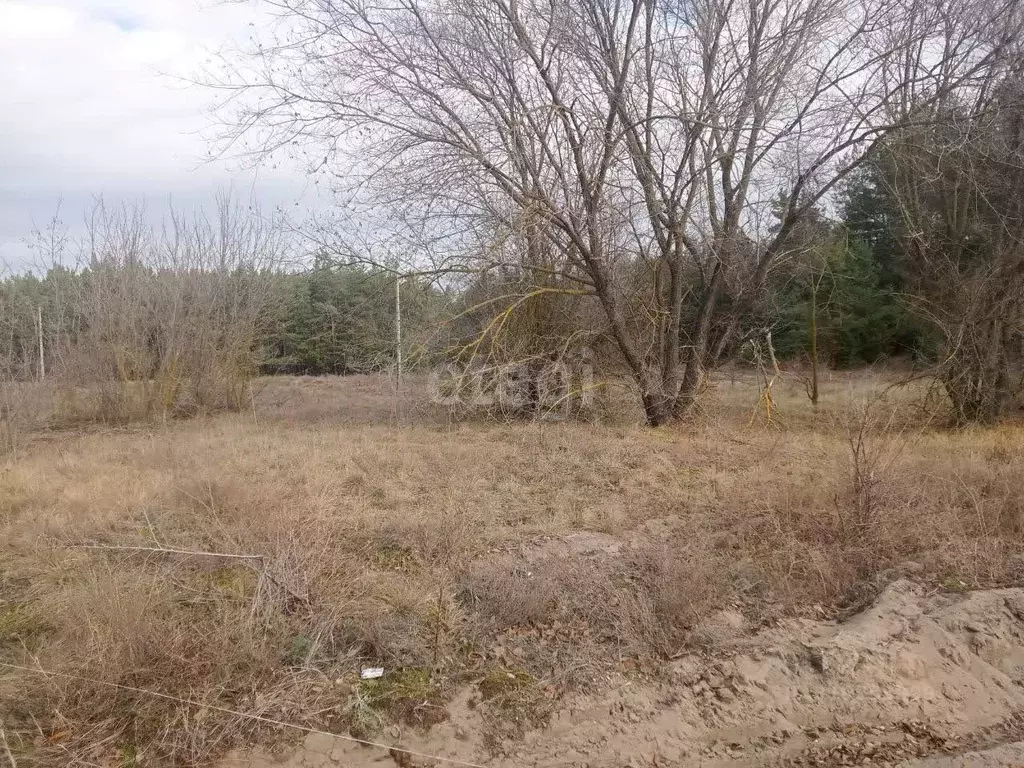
x=247, y=715
x=166, y=551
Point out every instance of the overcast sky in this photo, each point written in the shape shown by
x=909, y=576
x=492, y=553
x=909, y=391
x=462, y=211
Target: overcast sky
x=87, y=107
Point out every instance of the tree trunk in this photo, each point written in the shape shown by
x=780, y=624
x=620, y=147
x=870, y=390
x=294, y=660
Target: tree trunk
x=814, y=346
x=978, y=382
x=693, y=375
x=657, y=409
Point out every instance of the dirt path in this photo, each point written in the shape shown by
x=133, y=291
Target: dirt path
x=933, y=681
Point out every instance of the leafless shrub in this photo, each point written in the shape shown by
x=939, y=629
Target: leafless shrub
x=876, y=437
x=646, y=601
x=157, y=323
x=515, y=593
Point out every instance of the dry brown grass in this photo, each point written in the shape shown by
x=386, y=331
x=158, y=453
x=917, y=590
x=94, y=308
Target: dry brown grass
x=450, y=552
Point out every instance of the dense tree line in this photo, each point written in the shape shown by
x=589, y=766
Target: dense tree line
x=339, y=319
x=853, y=289
x=329, y=319
x=842, y=295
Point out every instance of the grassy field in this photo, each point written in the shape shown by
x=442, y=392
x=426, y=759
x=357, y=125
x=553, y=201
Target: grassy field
x=340, y=530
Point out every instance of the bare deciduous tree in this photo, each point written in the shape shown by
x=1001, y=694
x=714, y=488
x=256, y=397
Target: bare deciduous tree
x=641, y=141
x=959, y=185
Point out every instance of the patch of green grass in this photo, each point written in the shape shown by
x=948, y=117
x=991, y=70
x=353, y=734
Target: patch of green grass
x=504, y=683
x=128, y=756
x=381, y=499
x=405, y=695
x=298, y=651
x=234, y=582
x=23, y=749
x=954, y=583
x=239, y=582
x=512, y=702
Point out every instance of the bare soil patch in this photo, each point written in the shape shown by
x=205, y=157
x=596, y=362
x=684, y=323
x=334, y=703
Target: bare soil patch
x=917, y=679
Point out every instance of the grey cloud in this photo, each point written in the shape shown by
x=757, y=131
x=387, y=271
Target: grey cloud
x=90, y=106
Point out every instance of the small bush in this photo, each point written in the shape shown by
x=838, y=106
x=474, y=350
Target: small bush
x=147, y=323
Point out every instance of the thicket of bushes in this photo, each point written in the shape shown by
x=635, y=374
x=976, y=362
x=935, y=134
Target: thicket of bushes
x=149, y=322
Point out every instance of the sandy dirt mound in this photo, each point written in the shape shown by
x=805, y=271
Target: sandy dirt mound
x=916, y=680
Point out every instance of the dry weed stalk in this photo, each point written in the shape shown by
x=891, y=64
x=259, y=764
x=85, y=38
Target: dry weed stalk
x=765, y=400
x=875, y=439
x=7, y=749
